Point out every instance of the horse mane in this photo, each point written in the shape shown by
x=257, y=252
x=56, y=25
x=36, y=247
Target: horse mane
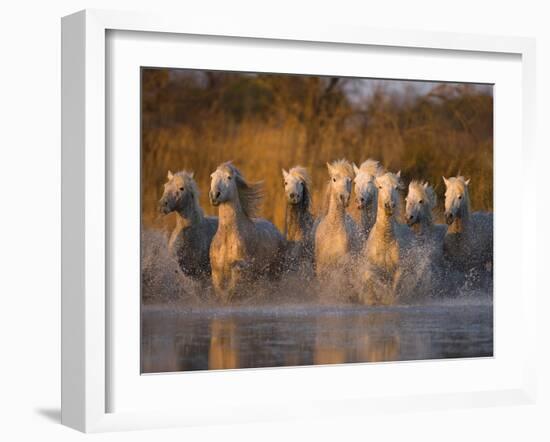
x=250, y=194
x=302, y=174
x=371, y=167
x=344, y=167
x=393, y=178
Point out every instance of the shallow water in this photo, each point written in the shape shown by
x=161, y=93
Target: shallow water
x=262, y=336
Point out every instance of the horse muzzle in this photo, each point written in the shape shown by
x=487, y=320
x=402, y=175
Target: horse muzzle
x=293, y=198
x=163, y=208
x=344, y=199
x=411, y=220
x=214, y=198
x=449, y=218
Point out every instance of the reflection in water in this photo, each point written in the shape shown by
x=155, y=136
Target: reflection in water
x=224, y=344
x=357, y=338
x=244, y=337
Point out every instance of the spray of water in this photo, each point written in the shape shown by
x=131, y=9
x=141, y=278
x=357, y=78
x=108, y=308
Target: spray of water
x=426, y=278
x=161, y=278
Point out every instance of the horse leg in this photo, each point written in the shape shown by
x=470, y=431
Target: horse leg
x=396, y=285
x=374, y=286
x=219, y=284
x=238, y=275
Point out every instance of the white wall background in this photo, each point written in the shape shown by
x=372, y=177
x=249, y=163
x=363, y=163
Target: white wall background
x=30, y=215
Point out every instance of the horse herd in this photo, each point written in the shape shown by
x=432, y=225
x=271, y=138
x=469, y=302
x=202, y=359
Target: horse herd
x=371, y=257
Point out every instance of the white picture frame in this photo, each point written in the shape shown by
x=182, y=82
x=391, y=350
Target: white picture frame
x=86, y=316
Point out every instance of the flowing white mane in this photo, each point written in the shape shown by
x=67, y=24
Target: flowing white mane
x=371, y=167
x=390, y=179
x=301, y=173
x=342, y=167
x=250, y=194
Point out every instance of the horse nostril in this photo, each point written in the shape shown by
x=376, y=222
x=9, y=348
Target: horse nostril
x=362, y=199
x=218, y=194
x=292, y=195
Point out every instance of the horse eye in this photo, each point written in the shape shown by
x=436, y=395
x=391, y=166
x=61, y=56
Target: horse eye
x=181, y=189
x=228, y=177
x=380, y=187
x=459, y=197
x=334, y=179
x=421, y=201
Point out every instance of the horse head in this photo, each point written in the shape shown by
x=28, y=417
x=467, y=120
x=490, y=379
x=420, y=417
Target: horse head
x=389, y=185
x=365, y=188
x=179, y=192
x=420, y=202
x=296, y=182
x=341, y=176
x=457, y=201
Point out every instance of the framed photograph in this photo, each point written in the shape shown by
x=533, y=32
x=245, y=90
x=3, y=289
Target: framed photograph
x=265, y=223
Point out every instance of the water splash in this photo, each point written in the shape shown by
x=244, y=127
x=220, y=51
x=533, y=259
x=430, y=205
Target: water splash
x=161, y=278
x=426, y=278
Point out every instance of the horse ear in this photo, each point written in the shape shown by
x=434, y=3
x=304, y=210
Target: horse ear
x=170, y=175
x=355, y=169
x=285, y=173
x=398, y=174
x=467, y=182
x=445, y=180
x=192, y=174
x=329, y=167
x=425, y=185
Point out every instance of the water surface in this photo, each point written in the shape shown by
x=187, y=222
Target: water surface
x=263, y=336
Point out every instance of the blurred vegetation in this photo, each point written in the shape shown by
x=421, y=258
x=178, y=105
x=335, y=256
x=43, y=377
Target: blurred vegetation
x=195, y=120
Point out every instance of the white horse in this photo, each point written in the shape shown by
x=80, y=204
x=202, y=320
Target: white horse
x=366, y=193
x=299, y=221
x=244, y=248
x=386, y=246
x=190, y=240
x=425, y=264
x=420, y=203
x=469, y=239
x=336, y=236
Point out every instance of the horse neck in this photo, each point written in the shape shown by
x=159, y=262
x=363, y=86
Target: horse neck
x=425, y=224
x=384, y=226
x=231, y=214
x=298, y=220
x=368, y=216
x=189, y=216
x=462, y=223
x=336, y=213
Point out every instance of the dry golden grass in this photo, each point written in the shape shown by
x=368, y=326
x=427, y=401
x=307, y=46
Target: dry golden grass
x=445, y=132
